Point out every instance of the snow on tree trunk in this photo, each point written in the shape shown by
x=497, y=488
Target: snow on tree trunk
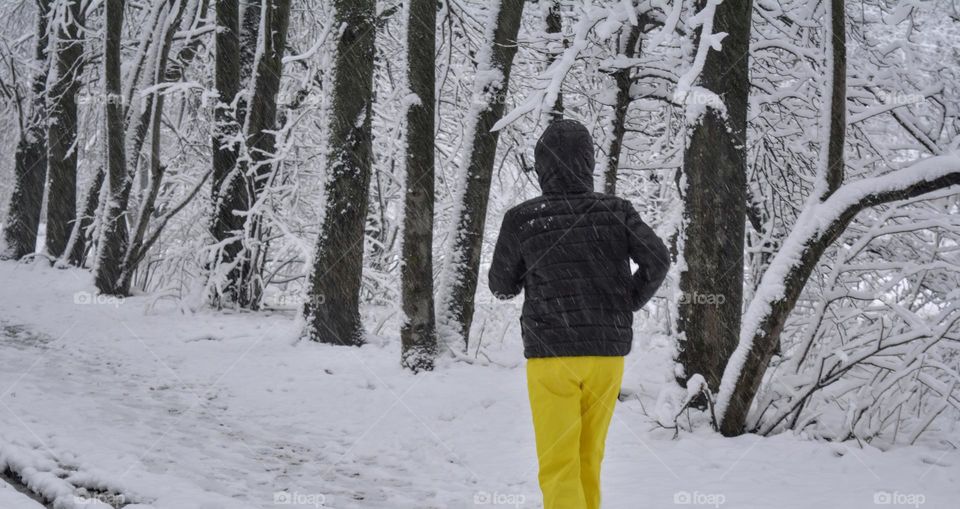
x=820, y=223
x=162, y=74
x=459, y=282
x=107, y=268
x=224, y=222
x=332, y=308
x=554, y=26
x=62, y=125
x=260, y=127
x=835, y=101
x=624, y=82
x=82, y=227
x=714, y=199
x=30, y=160
x=241, y=177
x=735, y=402
x=418, y=332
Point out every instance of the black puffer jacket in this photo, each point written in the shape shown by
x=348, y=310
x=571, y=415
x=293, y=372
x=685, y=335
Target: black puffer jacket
x=570, y=251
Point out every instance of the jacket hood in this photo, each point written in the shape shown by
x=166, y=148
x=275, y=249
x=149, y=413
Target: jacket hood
x=564, y=158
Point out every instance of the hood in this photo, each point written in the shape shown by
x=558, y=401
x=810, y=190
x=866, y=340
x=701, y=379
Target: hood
x=564, y=158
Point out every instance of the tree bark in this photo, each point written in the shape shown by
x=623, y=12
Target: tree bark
x=714, y=201
x=30, y=160
x=241, y=187
x=457, y=302
x=81, y=234
x=62, y=127
x=224, y=222
x=624, y=81
x=836, y=43
x=779, y=289
x=107, y=268
x=261, y=123
x=418, y=332
x=554, y=22
x=167, y=71
x=830, y=177
x=332, y=308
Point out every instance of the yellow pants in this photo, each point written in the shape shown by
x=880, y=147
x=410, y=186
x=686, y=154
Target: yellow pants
x=572, y=400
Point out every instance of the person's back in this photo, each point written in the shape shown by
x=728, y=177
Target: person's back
x=569, y=250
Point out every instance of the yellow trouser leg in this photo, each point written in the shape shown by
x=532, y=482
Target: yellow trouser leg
x=572, y=401
x=600, y=390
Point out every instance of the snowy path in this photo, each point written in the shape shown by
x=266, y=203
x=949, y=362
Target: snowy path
x=11, y=498
x=225, y=411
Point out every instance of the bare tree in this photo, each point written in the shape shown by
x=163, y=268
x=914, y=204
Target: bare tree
x=824, y=218
x=714, y=198
x=554, y=26
x=456, y=303
x=629, y=42
x=240, y=232
x=227, y=80
x=261, y=125
x=23, y=217
x=332, y=308
x=165, y=72
x=418, y=332
x=68, y=21
x=107, y=267
x=131, y=242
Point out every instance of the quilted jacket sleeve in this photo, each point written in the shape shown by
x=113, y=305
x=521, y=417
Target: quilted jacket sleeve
x=507, y=268
x=650, y=254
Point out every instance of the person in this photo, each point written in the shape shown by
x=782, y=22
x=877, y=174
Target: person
x=569, y=250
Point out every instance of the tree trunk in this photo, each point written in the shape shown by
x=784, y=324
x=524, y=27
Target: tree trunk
x=81, y=234
x=817, y=227
x=162, y=74
x=118, y=234
x=30, y=160
x=249, y=39
x=261, y=123
x=81, y=231
x=734, y=410
x=418, y=332
x=224, y=222
x=240, y=188
x=107, y=268
x=714, y=198
x=554, y=22
x=836, y=128
x=624, y=82
x=460, y=275
x=62, y=127
x=332, y=309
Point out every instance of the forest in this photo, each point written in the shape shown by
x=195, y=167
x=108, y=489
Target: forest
x=332, y=175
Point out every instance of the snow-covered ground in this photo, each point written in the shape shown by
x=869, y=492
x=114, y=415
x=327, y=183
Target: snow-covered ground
x=138, y=402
